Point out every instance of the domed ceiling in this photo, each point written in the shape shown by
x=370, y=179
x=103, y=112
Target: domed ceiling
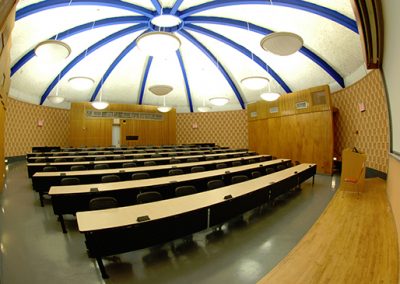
x=220, y=45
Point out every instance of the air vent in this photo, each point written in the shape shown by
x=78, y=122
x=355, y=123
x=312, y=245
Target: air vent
x=273, y=109
x=301, y=105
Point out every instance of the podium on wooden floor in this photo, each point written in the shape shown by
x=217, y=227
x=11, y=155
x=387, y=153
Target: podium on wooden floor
x=353, y=171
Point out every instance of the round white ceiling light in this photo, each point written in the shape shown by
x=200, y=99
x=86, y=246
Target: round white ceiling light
x=55, y=99
x=52, y=50
x=166, y=21
x=81, y=83
x=282, y=43
x=270, y=96
x=164, y=108
x=100, y=105
x=255, y=82
x=158, y=43
x=219, y=101
x=161, y=90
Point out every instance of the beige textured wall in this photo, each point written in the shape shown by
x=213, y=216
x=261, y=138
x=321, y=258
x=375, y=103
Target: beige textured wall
x=372, y=125
x=22, y=130
x=223, y=128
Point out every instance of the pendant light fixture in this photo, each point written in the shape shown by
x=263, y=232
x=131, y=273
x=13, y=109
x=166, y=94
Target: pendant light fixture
x=100, y=104
x=52, y=50
x=269, y=96
x=204, y=108
x=281, y=43
x=160, y=43
x=164, y=108
x=254, y=82
x=56, y=99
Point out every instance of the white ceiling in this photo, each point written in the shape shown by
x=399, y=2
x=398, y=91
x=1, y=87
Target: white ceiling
x=336, y=45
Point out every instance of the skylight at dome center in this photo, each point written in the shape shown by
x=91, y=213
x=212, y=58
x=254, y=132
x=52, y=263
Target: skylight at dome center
x=166, y=21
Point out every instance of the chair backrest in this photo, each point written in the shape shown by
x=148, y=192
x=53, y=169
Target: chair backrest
x=143, y=175
x=255, y=174
x=239, y=178
x=210, y=158
x=150, y=163
x=221, y=166
x=59, y=160
x=101, y=166
x=185, y=190
x=146, y=197
x=156, y=156
x=252, y=161
x=236, y=163
x=197, y=169
x=70, y=181
x=40, y=160
x=269, y=171
x=222, y=157
x=118, y=157
x=280, y=167
x=128, y=165
x=78, y=168
x=174, y=172
x=263, y=159
x=100, y=158
x=104, y=202
x=50, y=169
x=79, y=159
x=192, y=160
x=110, y=178
x=175, y=161
x=215, y=183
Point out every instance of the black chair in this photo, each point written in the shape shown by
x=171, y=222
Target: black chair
x=252, y=161
x=150, y=163
x=60, y=160
x=78, y=168
x=146, y=197
x=110, y=178
x=40, y=160
x=70, y=181
x=128, y=165
x=221, y=166
x=143, y=175
x=139, y=157
x=236, y=163
x=101, y=167
x=197, y=169
x=255, y=174
x=104, y=202
x=185, y=190
x=239, y=178
x=210, y=158
x=100, y=158
x=192, y=160
x=269, y=171
x=50, y=169
x=222, y=157
x=79, y=159
x=263, y=159
x=175, y=161
x=118, y=157
x=280, y=167
x=174, y=172
x=215, y=183
x=156, y=156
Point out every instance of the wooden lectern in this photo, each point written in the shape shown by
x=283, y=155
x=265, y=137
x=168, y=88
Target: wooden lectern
x=353, y=171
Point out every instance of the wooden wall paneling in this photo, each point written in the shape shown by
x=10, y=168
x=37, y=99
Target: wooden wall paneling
x=98, y=131
x=304, y=135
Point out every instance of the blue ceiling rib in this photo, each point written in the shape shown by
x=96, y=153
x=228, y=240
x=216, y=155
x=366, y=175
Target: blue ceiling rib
x=214, y=59
x=112, y=67
x=295, y=4
x=176, y=6
x=79, y=29
x=185, y=78
x=89, y=50
x=248, y=26
x=144, y=81
x=46, y=5
x=242, y=50
x=157, y=5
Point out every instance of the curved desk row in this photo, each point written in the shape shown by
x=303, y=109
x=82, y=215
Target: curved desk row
x=113, y=231
x=75, y=198
x=88, y=151
x=94, y=155
x=42, y=181
x=66, y=166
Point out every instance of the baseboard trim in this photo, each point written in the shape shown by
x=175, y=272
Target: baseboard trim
x=372, y=173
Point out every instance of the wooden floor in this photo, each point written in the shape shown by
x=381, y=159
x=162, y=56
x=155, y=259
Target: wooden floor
x=354, y=241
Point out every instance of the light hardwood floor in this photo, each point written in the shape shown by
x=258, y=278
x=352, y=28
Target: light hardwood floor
x=353, y=241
